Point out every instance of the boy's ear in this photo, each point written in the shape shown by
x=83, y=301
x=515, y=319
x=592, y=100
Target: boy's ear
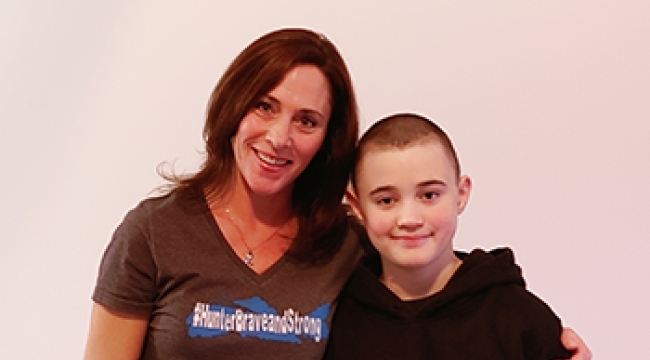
x=351, y=199
x=464, y=189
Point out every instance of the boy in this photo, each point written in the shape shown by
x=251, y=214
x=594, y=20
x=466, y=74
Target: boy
x=418, y=299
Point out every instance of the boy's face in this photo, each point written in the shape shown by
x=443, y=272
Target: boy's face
x=409, y=200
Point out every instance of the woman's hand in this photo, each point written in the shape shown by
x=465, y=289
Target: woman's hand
x=575, y=345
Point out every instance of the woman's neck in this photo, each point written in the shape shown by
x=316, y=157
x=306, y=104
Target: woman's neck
x=252, y=208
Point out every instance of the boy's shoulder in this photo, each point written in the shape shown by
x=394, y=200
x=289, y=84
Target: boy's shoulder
x=505, y=289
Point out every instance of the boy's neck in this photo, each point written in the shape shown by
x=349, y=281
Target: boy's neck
x=413, y=283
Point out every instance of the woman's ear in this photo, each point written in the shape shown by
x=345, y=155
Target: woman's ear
x=352, y=202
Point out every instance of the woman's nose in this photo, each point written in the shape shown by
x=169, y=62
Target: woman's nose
x=279, y=131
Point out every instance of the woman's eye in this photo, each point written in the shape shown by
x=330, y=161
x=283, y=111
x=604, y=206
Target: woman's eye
x=264, y=106
x=308, y=122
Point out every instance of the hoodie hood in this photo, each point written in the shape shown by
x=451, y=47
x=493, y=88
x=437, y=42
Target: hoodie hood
x=479, y=272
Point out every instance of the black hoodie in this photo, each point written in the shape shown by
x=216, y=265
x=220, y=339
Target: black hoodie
x=484, y=312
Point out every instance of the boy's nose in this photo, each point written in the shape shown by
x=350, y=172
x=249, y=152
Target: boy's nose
x=409, y=216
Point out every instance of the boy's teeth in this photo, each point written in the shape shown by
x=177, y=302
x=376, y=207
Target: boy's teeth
x=271, y=161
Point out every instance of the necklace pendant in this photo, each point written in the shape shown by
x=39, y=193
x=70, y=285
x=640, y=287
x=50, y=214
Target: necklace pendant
x=248, y=259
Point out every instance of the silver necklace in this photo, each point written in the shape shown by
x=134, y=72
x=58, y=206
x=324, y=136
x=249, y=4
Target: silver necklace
x=250, y=255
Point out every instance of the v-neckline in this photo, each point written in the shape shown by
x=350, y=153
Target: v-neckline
x=232, y=255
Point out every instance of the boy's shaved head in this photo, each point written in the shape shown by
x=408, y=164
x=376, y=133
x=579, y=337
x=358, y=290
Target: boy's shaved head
x=400, y=131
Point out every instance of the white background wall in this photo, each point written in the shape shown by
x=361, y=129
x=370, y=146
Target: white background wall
x=547, y=101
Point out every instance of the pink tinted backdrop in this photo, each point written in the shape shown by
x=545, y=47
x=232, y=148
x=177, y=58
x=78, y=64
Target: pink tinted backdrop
x=547, y=102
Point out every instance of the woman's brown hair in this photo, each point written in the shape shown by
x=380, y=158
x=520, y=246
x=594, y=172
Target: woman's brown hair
x=318, y=191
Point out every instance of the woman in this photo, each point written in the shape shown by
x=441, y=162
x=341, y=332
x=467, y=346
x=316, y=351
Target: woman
x=212, y=268
x=245, y=258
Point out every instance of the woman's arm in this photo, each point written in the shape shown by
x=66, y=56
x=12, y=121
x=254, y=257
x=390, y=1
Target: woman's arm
x=575, y=345
x=114, y=336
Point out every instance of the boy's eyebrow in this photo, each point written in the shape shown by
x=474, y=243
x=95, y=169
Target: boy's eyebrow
x=433, y=182
x=381, y=189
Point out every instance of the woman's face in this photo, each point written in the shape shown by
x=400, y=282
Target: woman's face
x=278, y=137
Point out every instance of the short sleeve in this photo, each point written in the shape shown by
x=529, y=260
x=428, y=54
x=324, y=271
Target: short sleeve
x=127, y=273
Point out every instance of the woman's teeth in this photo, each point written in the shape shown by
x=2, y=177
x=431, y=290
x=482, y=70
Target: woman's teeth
x=272, y=160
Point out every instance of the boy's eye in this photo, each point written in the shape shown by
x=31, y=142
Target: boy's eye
x=384, y=201
x=430, y=195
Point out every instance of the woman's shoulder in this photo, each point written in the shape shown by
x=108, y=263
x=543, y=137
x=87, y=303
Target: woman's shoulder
x=171, y=202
